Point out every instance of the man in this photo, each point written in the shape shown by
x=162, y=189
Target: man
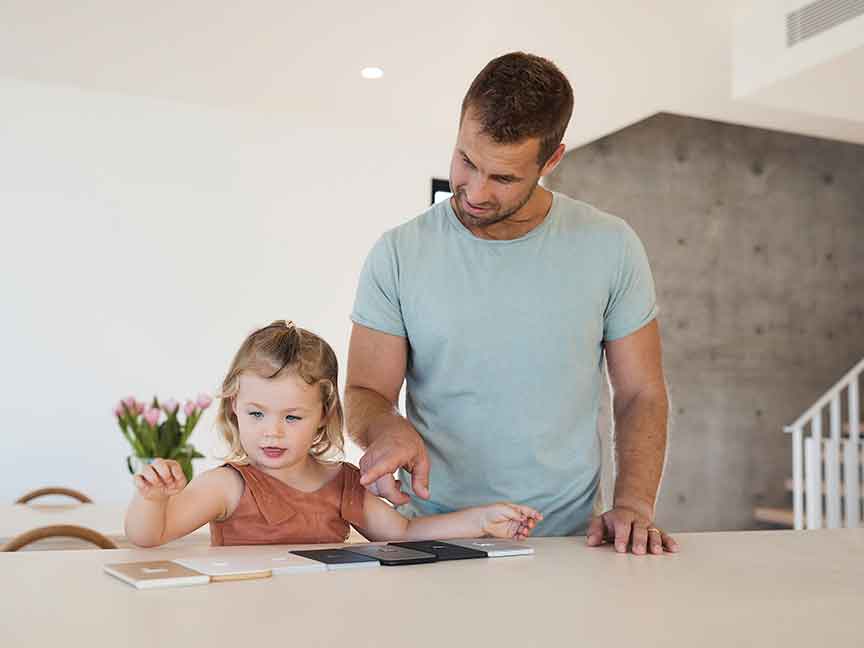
x=498, y=307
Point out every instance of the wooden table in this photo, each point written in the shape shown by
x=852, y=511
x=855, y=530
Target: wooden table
x=765, y=588
x=107, y=519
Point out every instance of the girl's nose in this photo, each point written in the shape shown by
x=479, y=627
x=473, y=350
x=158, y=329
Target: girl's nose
x=276, y=432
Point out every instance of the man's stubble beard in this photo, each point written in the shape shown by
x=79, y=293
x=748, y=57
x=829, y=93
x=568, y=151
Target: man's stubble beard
x=469, y=220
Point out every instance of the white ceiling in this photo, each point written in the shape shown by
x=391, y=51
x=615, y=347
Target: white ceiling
x=626, y=60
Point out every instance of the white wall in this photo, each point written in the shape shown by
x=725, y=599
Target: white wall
x=142, y=239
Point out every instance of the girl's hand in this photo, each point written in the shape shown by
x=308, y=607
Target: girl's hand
x=160, y=480
x=506, y=520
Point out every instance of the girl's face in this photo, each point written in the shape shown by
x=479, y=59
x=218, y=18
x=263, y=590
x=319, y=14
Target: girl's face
x=278, y=418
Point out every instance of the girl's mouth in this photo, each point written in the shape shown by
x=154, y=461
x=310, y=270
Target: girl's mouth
x=273, y=452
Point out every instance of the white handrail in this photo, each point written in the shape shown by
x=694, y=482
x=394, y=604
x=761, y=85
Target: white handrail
x=833, y=459
x=851, y=375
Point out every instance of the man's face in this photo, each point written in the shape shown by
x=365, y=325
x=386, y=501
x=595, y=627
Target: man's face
x=491, y=182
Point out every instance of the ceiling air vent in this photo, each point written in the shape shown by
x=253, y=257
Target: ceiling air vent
x=814, y=18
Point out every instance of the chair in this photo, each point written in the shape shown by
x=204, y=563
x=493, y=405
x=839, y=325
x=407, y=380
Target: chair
x=54, y=490
x=59, y=531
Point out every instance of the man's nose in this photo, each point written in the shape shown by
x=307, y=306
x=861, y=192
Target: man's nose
x=477, y=191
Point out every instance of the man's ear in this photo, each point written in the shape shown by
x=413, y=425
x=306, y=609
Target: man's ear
x=553, y=160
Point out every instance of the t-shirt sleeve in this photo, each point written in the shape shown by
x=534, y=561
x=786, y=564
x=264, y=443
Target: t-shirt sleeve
x=353, y=496
x=632, y=299
x=376, y=304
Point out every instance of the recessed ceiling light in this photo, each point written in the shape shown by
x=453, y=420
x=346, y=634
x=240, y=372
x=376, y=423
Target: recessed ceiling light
x=372, y=73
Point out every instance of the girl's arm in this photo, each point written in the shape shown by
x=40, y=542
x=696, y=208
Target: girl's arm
x=165, y=508
x=502, y=520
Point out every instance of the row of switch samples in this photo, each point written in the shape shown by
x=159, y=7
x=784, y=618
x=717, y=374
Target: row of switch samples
x=237, y=563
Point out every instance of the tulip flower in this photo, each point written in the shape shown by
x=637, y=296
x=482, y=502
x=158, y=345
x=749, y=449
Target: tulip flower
x=152, y=434
x=152, y=416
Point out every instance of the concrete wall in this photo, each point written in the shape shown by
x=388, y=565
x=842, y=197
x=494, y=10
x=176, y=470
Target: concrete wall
x=756, y=240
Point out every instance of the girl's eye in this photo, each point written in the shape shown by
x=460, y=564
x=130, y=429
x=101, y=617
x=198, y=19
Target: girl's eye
x=257, y=415
x=291, y=418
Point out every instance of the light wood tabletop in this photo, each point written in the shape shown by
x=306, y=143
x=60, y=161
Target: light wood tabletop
x=765, y=588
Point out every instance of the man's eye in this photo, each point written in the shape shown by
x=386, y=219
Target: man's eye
x=467, y=162
x=257, y=415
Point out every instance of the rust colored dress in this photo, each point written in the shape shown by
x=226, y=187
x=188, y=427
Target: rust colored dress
x=271, y=512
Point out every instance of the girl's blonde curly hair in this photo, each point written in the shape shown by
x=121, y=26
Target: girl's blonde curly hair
x=269, y=352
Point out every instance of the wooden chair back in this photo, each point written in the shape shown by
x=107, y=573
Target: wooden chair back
x=54, y=490
x=59, y=531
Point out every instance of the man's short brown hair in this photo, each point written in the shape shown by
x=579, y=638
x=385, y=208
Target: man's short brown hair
x=517, y=96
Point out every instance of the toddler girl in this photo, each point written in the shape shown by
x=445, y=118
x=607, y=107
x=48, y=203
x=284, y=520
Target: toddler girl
x=281, y=416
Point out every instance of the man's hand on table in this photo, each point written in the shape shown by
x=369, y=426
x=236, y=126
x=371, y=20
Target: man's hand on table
x=397, y=445
x=627, y=528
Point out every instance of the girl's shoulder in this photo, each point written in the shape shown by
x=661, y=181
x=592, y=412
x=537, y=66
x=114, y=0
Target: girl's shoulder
x=353, y=499
x=343, y=474
x=345, y=468
x=226, y=480
x=349, y=467
x=338, y=475
x=224, y=475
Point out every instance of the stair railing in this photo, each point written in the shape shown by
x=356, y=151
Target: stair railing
x=831, y=464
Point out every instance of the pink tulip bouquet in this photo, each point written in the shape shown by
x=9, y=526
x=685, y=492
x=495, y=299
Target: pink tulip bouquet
x=156, y=430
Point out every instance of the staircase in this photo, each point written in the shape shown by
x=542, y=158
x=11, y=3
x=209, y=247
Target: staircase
x=827, y=478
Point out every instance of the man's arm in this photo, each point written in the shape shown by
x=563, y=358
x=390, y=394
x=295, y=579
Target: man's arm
x=376, y=371
x=640, y=408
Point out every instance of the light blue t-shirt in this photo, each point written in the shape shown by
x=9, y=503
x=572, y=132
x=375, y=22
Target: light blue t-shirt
x=505, y=351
